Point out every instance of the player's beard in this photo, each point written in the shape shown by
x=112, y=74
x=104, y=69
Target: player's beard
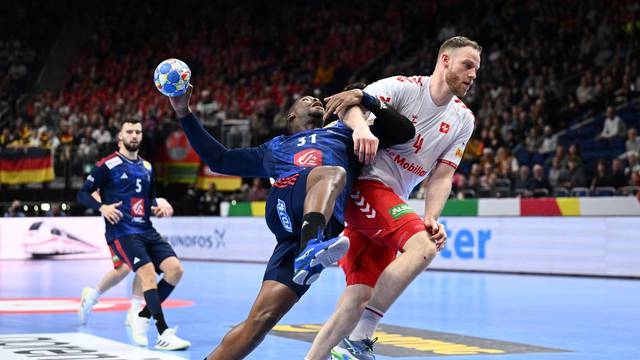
x=315, y=119
x=455, y=83
x=131, y=147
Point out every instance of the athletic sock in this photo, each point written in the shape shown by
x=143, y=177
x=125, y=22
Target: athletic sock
x=153, y=302
x=164, y=289
x=136, y=301
x=94, y=294
x=313, y=225
x=367, y=324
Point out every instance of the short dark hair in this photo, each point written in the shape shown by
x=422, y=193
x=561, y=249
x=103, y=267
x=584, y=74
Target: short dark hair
x=129, y=121
x=356, y=85
x=458, y=42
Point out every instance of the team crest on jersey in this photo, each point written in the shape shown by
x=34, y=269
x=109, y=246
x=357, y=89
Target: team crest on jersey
x=137, y=207
x=308, y=158
x=284, y=217
x=111, y=163
x=444, y=127
x=459, y=152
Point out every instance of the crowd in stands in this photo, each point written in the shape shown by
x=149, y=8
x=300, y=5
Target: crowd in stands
x=549, y=70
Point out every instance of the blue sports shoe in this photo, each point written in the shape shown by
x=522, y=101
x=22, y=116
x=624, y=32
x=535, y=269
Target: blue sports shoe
x=316, y=253
x=354, y=350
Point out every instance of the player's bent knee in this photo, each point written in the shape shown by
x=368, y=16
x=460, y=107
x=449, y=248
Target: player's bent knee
x=421, y=244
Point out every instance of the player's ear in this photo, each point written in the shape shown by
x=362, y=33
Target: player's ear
x=445, y=58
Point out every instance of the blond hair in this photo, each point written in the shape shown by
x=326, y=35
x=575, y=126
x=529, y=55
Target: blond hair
x=458, y=42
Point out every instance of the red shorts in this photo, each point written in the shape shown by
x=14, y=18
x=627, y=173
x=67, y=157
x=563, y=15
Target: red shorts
x=379, y=223
x=117, y=262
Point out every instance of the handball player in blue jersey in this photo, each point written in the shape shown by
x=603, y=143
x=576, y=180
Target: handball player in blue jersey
x=128, y=198
x=313, y=169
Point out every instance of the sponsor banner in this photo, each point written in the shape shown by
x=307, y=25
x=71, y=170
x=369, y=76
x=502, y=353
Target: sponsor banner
x=67, y=237
x=216, y=238
x=72, y=346
x=603, y=246
x=580, y=246
x=583, y=206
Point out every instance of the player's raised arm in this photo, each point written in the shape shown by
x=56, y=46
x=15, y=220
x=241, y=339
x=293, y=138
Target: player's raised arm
x=240, y=162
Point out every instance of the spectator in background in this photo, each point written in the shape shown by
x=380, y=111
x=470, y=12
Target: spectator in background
x=55, y=211
x=549, y=141
x=632, y=166
x=5, y=138
x=613, y=126
x=210, y=201
x=558, y=174
x=505, y=172
x=576, y=174
x=574, y=154
x=523, y=182
x=533, y=141
x=632, y=145
x=618, y=178
x=15, y=210
x=485, y=179
x=255, y=192
x=560, y=154
x=602, y=177
x=503, y=155
x=190, y=202
x=102, y=136
x=539, y=181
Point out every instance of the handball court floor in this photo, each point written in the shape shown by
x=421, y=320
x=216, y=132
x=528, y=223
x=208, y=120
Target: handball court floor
x=490, y=316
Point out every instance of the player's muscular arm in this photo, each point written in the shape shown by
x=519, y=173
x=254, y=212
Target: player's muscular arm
x=438, y=189
x=365, y=144
x=240, y=162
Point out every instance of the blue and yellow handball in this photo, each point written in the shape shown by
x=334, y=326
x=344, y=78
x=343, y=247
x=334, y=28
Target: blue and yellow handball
x=172, y=77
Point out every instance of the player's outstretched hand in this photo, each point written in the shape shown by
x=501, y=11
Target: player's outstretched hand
x=181, y=103
x=365, y=144
x=341, y=101
x=437, y=232
x=111, y=212
x=164, y=209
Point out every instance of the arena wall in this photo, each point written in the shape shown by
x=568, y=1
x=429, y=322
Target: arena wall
x=600, y=246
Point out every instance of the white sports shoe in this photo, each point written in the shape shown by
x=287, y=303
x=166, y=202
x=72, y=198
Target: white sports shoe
x=139, y=329
x=169, y=341
x=88, y=300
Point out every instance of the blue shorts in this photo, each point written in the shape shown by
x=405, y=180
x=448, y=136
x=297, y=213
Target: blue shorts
x=284, y=212
x=139, y=249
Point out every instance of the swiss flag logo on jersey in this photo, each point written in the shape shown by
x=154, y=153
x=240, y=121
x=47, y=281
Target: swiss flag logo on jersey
x=385, y=100
x=137, y=207
x=308, y=158
x=444, y=127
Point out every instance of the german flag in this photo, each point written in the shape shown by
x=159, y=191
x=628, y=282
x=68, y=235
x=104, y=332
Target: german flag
x=26, y=165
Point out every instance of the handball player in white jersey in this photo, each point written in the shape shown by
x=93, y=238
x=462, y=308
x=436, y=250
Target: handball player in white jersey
x=379, y=222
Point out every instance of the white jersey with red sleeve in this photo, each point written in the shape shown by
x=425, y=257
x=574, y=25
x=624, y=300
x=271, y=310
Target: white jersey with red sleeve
x=442, y=133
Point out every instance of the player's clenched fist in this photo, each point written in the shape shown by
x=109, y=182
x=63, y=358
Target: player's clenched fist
x=111, y=212
x=437, y=232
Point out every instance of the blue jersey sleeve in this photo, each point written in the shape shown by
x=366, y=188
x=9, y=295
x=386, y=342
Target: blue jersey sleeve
x=246, y=162
x=96, y=180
